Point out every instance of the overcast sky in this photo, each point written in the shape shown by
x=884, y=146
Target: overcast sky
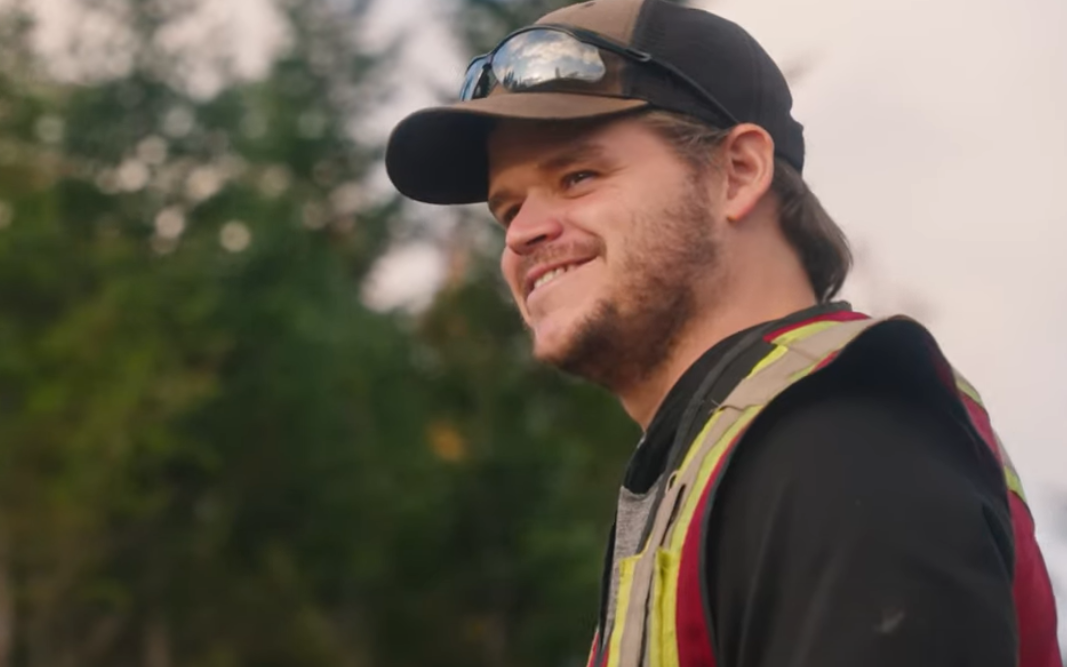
x=936, y=137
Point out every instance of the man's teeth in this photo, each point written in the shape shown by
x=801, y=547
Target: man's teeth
x=551, y=275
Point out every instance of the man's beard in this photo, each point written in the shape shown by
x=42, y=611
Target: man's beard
x=631, y=334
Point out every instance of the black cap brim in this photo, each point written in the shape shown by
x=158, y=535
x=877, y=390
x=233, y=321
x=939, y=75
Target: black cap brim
x=439, y=155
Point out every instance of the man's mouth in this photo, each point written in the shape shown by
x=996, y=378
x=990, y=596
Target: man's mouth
x=553, y=275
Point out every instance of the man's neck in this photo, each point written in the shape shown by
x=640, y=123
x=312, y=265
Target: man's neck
x=642, y=400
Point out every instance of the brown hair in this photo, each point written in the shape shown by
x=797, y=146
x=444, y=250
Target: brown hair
x=818, y=241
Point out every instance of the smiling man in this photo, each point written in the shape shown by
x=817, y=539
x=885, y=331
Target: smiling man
x=814, y=487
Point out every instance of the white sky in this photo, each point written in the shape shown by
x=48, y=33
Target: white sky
x=936, y=136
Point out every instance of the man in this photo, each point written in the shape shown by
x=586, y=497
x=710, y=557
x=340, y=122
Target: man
x=813, y=488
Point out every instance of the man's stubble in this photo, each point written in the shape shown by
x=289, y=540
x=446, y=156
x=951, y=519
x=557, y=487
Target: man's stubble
x=631, y=333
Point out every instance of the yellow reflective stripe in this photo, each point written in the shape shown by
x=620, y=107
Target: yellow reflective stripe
x=803, y=372
x=966, y=388
x=808, y=370
x=707, y=467
x=804, y=331
x=695, y=446
x=1014, y=483
x=664, y=623
x=626, y=582
x=799, y=334
x=776, y=354
x=781, y=349
x=664, y=639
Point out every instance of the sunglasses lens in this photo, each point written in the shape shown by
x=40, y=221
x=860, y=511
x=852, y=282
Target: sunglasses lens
x=472, y=80
x=536, y=57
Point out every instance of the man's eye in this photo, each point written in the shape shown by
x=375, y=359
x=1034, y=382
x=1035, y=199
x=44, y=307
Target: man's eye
x=574, y=178
x=508, y=215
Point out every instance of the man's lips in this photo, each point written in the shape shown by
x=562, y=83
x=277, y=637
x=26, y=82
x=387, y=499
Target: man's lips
x=542, y=270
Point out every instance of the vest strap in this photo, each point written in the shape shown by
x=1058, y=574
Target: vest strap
x=805, y=348
x=652, y=628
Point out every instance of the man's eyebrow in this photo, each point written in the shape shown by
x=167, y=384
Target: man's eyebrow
x=580, y=152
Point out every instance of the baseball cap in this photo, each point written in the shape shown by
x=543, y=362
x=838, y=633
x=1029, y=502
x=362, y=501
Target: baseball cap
x=439, y=155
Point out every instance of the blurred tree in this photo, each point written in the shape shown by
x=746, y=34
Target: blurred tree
x=192, y=399
x=211, y=452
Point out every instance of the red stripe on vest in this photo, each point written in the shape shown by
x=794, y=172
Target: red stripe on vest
x=1033, y=598
x=826, y=362
x=1035, y=607
x=593, y=650
x=694, y=635
x=980, y=419
x=843, y=316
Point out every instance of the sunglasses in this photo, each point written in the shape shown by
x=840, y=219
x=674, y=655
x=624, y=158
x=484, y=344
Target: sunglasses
x=536, y=56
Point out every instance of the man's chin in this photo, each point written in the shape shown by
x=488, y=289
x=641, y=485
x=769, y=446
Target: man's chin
x=606, y=347
x=554, y=342
x=578, y=347
x=552, y=351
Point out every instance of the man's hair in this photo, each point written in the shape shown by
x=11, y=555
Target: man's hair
x=818, y=241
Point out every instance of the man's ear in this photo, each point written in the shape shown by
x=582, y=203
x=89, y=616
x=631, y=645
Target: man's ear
x=747, y=160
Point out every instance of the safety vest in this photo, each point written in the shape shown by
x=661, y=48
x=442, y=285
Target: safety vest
x=660, y=618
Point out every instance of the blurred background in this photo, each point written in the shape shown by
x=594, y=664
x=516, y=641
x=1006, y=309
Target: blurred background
x=257, y=410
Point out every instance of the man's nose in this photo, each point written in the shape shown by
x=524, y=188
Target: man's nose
x=535, y=224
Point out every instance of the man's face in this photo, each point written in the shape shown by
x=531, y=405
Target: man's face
x=610, y=243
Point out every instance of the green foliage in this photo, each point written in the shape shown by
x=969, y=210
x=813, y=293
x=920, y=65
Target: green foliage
x=517, y=566
x=211, y=452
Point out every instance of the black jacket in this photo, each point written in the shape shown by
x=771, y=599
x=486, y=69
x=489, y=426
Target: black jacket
x=857, y=525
